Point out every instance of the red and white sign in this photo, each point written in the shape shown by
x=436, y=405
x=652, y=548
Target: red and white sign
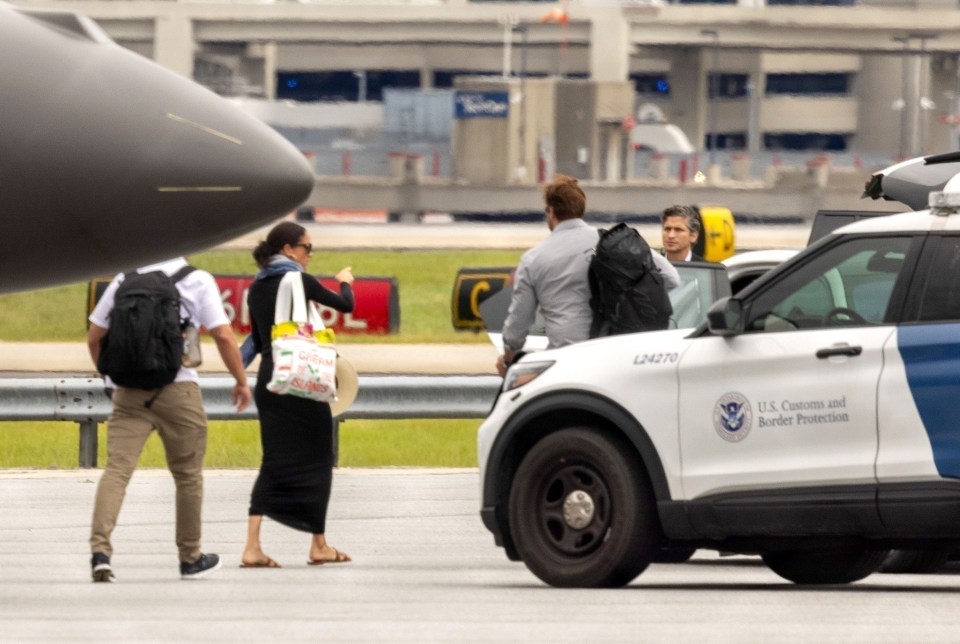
x=376, y=310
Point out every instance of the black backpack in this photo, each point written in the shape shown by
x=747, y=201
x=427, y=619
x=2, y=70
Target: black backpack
x=627, y=291
x=143, y=348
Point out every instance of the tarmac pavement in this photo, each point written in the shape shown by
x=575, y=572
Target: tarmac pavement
x=424, y=570
x=37, y=358
x=413, y=534
x=486, y=236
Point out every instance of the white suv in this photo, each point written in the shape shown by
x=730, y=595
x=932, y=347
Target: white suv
x=813, y=420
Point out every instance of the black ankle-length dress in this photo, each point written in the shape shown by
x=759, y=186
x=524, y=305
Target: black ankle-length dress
x=296, y=434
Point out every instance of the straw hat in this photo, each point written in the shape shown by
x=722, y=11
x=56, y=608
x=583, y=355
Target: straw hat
x=348, y=384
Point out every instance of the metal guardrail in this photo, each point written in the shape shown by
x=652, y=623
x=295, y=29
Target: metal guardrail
x=84, y=401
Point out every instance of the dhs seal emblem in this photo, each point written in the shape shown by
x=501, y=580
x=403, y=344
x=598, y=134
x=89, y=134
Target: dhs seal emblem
x=732, y=417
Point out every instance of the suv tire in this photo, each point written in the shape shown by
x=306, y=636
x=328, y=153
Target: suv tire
x=581, y=510
x=828, y=566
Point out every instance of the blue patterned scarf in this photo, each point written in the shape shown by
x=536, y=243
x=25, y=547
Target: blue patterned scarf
x=278, y=265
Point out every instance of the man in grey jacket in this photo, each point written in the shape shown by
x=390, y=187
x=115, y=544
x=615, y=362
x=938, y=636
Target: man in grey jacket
x=552, y=276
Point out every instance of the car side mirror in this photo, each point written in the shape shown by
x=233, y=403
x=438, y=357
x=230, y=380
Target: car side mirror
x=725, y=317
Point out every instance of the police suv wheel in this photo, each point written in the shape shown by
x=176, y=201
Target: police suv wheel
x=581, y=510
x=828, y=566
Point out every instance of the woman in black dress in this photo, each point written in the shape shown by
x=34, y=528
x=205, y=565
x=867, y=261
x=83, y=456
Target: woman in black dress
x=296, y=434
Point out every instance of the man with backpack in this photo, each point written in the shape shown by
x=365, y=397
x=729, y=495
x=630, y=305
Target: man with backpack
x=553, y=276
x=136, y=340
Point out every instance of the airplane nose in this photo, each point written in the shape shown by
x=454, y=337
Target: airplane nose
x=122, y=161
x=206, y=166
x=164, y=149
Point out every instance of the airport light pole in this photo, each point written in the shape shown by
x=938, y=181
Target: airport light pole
x=901, y=103
x=955, y=106
x=753, y=119
x=714, y=90
x=361, y=76
x=509, y=26
x=522, y=157
x=923, y=102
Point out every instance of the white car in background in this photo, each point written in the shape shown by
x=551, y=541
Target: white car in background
x=744, y=268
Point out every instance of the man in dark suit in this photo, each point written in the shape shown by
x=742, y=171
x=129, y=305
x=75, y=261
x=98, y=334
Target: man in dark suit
x=681, y=229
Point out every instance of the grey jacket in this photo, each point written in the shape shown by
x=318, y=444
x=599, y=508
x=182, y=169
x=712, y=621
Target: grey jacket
x=553, y=277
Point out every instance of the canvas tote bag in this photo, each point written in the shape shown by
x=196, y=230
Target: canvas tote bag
x=304, y=359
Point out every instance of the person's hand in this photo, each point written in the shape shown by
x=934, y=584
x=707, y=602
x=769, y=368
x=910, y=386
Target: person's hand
x=241, y=396
x=345, y=275
x=503, y=362
x=501, y=365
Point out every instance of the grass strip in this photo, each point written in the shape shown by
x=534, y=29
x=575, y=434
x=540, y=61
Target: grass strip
x=236, y=444
x=424, y=280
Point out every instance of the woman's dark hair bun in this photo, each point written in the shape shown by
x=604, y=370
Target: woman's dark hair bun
x=286, y=232
x=262, y=254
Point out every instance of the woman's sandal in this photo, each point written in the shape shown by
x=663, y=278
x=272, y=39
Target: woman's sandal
x=339, y=557
x=269, y=563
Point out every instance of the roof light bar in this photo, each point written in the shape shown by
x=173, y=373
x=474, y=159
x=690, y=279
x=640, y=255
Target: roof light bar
x=944, y=203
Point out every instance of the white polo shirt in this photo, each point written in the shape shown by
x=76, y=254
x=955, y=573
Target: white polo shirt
x=199, y=297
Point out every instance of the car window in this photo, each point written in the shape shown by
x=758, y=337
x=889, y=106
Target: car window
x=746, y=278
x=941, y=294
x=848, y=284
x=700, y=286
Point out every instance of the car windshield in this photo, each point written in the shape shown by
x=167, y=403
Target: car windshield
x=850, y=284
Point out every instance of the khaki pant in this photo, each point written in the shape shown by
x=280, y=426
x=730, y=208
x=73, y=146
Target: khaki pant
x=178, y=416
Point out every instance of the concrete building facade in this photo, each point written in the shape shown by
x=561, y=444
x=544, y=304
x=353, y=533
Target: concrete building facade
x=879, y=76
